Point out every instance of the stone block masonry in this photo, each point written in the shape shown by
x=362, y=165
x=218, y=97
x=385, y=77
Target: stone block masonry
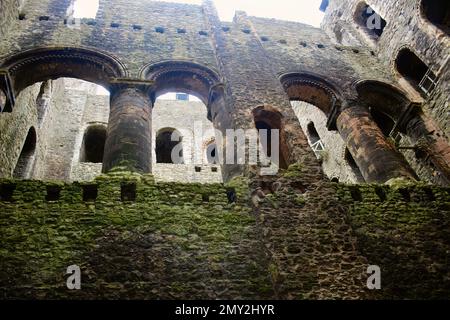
x=289, y=237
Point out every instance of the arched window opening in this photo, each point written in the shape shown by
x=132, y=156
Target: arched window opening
x=25, y=162
x=438, y=13
x=415, y=71
x=370, y=21
x=165, y=147
x=272, y=120
x=353, y=166
x=211, y=153
x=2, y=100
x=93, y=144
x=314, y=138
x=384, y=122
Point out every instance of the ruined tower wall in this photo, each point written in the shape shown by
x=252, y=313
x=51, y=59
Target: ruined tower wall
x=406, y=27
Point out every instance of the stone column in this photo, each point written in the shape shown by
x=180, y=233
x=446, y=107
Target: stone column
x=376, y=157
x=128, y=143
x=432, y=142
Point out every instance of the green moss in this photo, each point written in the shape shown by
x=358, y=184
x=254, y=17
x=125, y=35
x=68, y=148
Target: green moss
x=294, y=171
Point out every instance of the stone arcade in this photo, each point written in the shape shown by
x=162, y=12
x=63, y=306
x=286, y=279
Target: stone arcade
x=363, y=122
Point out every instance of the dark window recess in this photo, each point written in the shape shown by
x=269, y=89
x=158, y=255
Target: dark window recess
x=7, y=192
x=430, y=195
x=226, y=29
x=264, y=39
x=137, y=27
x=405, y=194
x=282, y=41
x=44, y=18
x=22, y=16
x=335, y=180
x=303, y=44
x=205, y=197
x=381, y=193
x=90, y=193
x=165, y=146
x=214, y=169
x=371, y=22
x=115, y=25
x=93, y=144
x=415, y=71
x=160, y=29
x=53, y=193
x=198, y=169
x=181, y=31
x=91, y=22
x=203, y=33
x=438, y=13
x=261, y=126
x=356, y=194
x=320, y=46
x=231, y=195
x=312, y=133
x=247, y=31
x=128, y=191
x=211, y=153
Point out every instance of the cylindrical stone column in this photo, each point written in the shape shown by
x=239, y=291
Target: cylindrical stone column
x=376, y=157
x=128, y=143
x=432, y=142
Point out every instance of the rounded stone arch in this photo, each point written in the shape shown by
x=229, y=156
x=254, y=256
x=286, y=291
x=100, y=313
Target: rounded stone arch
x=313, y=89
x=41, y=64
x=182, y=76
x=385, y=98
x=435, y=13
x=268, y=117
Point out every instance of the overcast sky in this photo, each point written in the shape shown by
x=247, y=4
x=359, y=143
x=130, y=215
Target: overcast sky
x=306, y=11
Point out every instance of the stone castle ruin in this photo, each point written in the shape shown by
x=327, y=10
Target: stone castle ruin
x=88, y=108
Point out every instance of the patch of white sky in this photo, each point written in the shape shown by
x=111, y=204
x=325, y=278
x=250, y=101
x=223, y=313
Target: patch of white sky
x=304, y=11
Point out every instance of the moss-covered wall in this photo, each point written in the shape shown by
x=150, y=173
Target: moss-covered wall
x=405, y=230
x=291, y=237
x=173, y=241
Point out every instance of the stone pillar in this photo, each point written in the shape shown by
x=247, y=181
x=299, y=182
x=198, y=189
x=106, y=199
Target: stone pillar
x=432, y=142
x=376, y=157
x=128, y=143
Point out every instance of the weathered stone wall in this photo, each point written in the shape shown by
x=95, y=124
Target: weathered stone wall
x=189, y=118
x=288, y=237
x=406, y=27
x=249, y=54
x=405, y=231
x=9, y=12
x=65, y=130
